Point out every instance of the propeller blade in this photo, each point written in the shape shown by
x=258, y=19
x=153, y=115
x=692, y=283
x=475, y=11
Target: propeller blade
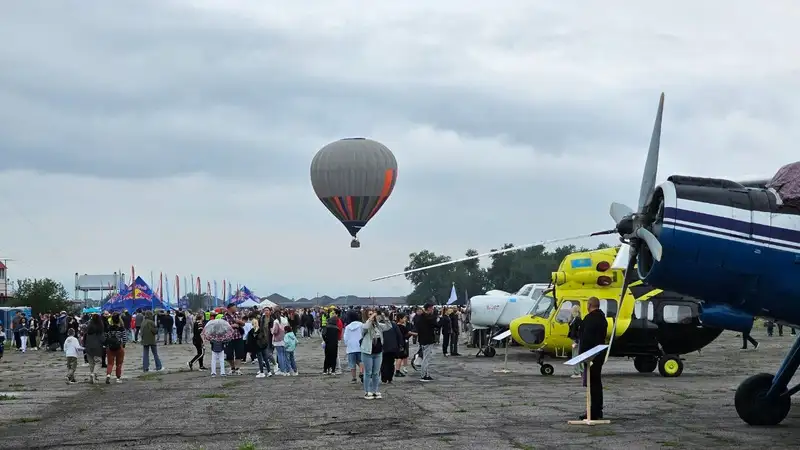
x=619, y=211
x=652, y=242
x=483, y=255
x=622, y=258
x=625, y=283
x=651, y=164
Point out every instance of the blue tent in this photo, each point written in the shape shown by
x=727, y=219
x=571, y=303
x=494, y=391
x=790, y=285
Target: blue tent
x=145, y=299
x=241, y=295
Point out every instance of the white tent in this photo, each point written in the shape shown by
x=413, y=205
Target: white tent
x=265, y=303
x=249, y=303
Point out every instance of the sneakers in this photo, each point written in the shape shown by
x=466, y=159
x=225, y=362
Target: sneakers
x=576, y=376
x=353, y=381
x=261, y=375
x=190, y=366
x=108, y=379
x=426, y=378
x=294, y=374
x=213, y=375
x=119, y=380
x=378, y=395
x=369, y=396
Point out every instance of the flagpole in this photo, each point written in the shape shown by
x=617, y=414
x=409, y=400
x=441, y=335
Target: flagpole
x=177, y=289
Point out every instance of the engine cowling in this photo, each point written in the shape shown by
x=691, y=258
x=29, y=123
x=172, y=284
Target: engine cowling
x=494, y=310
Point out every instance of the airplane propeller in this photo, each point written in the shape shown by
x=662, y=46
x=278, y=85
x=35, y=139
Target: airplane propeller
x=632, y=226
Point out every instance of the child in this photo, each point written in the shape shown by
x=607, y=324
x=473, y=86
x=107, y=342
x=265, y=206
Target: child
x=217, y=349
x=290, y=344
x=71, y=347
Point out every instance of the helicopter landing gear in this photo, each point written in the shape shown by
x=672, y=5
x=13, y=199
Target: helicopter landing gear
x=544, y=368
x=670, y=366
x=645, y=364
x=489, y=352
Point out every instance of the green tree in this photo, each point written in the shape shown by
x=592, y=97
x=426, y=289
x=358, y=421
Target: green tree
x=431, y=285
x=42, y=295
x=199, y=301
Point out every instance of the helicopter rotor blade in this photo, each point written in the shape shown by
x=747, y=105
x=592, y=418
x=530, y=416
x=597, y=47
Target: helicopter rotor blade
x=483, y=255
x=627, y=280
x=651, y=164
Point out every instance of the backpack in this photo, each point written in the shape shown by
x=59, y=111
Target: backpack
x=113, y=342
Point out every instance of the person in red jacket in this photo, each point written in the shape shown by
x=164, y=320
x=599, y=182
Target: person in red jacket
x=339, y=324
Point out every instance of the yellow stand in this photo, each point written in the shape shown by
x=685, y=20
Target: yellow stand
x=588, y=420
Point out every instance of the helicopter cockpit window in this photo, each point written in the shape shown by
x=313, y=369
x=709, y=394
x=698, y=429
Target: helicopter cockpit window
x=543, y=306
x=525, y=290
x=609, y=307
x=677, y=314
x=565, y=311
x=637, y=310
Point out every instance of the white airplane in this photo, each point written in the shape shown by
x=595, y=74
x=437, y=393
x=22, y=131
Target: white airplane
x=496, y=309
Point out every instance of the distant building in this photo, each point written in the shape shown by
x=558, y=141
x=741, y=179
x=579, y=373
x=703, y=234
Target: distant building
x=96, y=283
x=6, y=290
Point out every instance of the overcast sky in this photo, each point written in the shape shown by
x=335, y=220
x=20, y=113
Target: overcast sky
x=177, y=136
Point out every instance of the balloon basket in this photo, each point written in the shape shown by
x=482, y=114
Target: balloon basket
x=355, y=244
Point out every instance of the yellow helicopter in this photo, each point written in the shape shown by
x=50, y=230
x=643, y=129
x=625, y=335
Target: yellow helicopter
x=654, y=327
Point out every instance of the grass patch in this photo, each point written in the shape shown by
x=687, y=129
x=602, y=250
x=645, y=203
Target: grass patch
x=461, y=410
x=524, y=447
x=247, y=445
x=446, y=439
x=230, y=384
x=5, y=397
x=26, y=420
x=150, y=377
x=214, y=395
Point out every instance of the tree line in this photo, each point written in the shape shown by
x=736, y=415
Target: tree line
x=507, y=271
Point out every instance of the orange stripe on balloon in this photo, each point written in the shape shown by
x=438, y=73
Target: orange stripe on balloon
x=339, y=207
x=388, y=177
x=350, y=210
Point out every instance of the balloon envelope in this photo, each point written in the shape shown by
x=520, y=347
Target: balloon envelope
x=353, y=178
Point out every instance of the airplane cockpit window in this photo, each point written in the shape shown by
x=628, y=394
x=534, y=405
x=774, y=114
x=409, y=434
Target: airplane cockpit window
x=677, y=314
x=637, y=310
x=565, y=311
x=525, y=290
x=609, y=307
x=543, y=306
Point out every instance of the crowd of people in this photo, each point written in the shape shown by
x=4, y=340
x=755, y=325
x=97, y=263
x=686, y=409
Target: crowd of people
x=377, y=341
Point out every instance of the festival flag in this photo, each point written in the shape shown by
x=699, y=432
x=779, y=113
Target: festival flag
x=215, y=293
x=191, y=277
x=133, y=283
x=224, y=291
x=453, y=296
x=177, y=288
x=198, y=286
x=161, y=286
x=168, y=296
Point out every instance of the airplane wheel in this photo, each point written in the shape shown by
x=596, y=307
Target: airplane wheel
x=670, y=366
x=547, y=369
x=489, y=352
x=645, y=364
x=755, y=408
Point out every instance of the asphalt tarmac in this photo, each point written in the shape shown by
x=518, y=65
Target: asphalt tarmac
x=468, y=406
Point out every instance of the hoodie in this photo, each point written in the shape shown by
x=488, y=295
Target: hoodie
x=290, y=341
x=352, y=336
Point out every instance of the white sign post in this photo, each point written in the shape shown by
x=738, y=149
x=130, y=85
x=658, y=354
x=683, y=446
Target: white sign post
x=587, y=357
x=504, y=335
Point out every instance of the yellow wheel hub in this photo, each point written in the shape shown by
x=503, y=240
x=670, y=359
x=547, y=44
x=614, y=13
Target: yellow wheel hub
x=671, y=367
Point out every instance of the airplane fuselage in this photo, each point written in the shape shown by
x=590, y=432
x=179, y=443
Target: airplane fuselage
x=732, y=246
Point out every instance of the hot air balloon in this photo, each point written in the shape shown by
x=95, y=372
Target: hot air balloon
x=353, y=178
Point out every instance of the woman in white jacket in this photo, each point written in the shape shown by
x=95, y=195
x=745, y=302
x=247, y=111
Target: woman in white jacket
x=372, y=352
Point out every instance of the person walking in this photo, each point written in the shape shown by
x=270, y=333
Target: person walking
x=372, y=352
x=93, y=345
x=197, y=340
x=116, y=338
x=425, y=325
x=149, y=338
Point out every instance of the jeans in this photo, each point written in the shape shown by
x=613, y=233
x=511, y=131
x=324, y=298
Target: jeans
x=445, y=343
x=454, y=344
x=372, y=370
x=146, y=357
x=281, y=351
x=577, y=369
x=427, y=356
x=290, y=362
x=263, y=360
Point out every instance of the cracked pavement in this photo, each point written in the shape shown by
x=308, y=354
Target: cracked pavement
x=467, y=407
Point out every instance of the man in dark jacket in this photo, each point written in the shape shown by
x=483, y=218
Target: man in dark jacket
x=425, y=324
x=593, y=333
x=392, y=341
x=180, y=324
